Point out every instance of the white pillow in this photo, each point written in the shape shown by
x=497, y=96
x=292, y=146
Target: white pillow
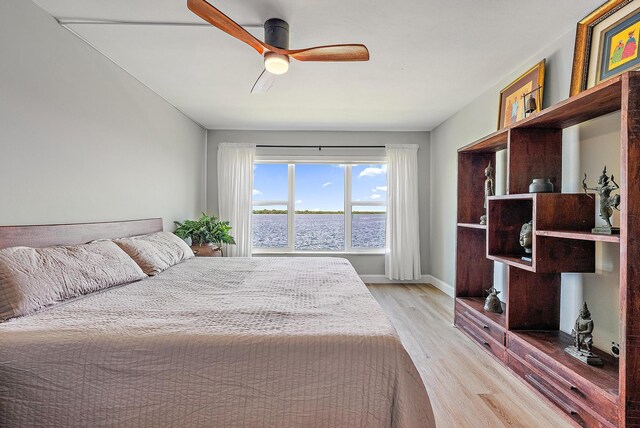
x=34, y=278
x=155, y=252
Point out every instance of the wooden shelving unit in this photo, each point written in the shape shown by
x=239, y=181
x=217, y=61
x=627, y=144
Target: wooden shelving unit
x=526, y=337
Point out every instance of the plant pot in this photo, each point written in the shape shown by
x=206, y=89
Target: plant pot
x=207, y=250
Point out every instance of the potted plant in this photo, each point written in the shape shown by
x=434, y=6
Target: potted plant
x=206, y=234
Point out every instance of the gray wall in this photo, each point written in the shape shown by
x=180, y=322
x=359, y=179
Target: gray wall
x=364, y=264
x=80, y=139
x=585, y=149
x=474, y=121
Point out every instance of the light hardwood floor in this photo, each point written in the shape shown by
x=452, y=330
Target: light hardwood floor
x=468, y=388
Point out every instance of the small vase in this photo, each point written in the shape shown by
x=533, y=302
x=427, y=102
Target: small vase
x=541, y=185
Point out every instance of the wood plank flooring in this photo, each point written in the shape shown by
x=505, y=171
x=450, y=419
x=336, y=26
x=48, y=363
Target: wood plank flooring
x=468, y=388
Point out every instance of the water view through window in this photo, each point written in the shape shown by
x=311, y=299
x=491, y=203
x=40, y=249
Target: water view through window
x=270, y=198
x=318, y=220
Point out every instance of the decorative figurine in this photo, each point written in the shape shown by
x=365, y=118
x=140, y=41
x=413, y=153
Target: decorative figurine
x=489, y=190
x=607, y=202
x=526, y=239
x=493, y=304
x=529, y=100
x=583, y=338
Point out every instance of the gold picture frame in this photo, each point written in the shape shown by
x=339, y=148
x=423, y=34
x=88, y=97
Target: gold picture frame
x=513, y=98
x=582, y=74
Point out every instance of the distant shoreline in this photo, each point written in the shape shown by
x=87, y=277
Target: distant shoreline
x=313, y=212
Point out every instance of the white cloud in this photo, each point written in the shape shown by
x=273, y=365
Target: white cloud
x=375, y=196
x=328, y=183
x=316, y=209
x=380, y=189
x=338, y=165
x=372, y=171
x=256, y=192
x=299, y=201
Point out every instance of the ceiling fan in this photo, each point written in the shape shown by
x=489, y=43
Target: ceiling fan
x=275, y=48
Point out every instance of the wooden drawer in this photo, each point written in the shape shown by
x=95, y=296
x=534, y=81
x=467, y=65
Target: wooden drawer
x=572, y=387
x=489, y=327
x=574, y=409
x=480, y=336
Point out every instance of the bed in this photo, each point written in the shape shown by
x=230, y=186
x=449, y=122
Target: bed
x=211, y=342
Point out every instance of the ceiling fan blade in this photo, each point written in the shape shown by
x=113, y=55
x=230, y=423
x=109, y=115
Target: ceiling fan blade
x=218, y=19
x=331, y=53
x=264, y=82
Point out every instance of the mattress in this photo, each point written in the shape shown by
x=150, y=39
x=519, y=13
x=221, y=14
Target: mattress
x=214, y=342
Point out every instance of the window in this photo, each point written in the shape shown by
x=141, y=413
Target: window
x=271, y=205
x=302, y=206
x=368, y=206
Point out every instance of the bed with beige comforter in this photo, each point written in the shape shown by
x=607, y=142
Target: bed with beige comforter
x=214, y=342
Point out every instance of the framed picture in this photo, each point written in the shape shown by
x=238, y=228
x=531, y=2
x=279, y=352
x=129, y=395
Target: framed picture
x=606, y=44
x=522, y=96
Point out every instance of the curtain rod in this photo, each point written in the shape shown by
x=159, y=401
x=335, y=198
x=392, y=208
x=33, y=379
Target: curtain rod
x=317, y=147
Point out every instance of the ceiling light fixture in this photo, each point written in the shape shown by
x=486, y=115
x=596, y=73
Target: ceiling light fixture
x=276, y=63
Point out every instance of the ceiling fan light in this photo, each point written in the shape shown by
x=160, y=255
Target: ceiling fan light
x=276, y=63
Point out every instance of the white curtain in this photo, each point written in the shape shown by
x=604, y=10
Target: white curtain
x=402, y=255
x=235, y=193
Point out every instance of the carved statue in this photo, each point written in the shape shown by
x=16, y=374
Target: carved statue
x=492, y=303
x=489, y=190
x=526, y=233
x=583, y=329
x=607, y=202
x=582, y=335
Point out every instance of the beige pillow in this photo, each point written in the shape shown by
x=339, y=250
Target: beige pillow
x=34, y=278
x=155, y=252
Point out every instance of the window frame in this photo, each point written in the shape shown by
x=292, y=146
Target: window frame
x=348, y=207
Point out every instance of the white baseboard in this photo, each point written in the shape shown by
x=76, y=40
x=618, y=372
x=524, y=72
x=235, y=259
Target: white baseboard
x=440, y=284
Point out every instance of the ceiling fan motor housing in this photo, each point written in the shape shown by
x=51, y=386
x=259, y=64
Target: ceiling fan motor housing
x=276, y=33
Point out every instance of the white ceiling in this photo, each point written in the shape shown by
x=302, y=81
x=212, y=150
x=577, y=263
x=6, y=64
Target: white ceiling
x=429, y=58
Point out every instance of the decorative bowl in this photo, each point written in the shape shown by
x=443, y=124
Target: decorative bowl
x=541, y=185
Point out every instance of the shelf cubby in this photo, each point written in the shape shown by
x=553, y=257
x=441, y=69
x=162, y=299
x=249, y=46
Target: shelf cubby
x=477, y=304
x=506, y=215
x=553, y=342
x=534, y=153
x=533, y=300
x=472, y=279
x=549, y=254
x=471, y=185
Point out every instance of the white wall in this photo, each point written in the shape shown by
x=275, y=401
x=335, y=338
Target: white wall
x=585, y=149
x=80, y=139
x=364, y=264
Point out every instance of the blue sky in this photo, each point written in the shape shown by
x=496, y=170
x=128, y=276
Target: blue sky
x=320, y=186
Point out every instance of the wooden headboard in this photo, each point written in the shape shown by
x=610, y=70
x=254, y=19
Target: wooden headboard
x=74, y=234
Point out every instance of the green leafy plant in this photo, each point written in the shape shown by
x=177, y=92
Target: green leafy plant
x=205, y=230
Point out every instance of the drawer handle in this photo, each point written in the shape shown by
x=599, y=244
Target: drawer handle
x=476, y=321
x=550, y=395
x=541, y=366
x=478, y=338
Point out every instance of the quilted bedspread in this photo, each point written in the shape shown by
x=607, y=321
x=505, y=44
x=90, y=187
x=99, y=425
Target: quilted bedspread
x=214, y=342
